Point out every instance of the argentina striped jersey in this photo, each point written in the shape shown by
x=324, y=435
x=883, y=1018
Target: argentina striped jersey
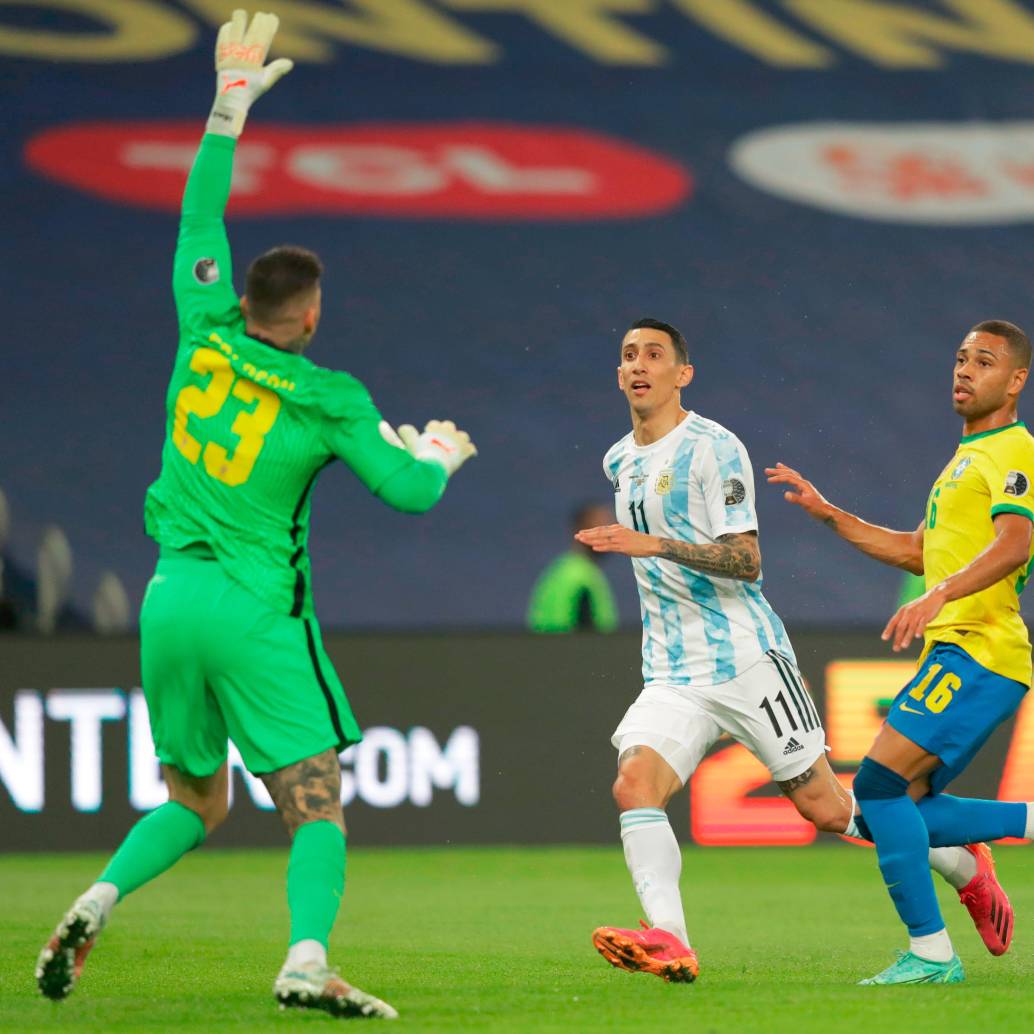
x=693, y=485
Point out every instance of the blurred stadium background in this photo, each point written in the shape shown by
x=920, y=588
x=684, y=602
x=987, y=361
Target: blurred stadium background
x=823, y=194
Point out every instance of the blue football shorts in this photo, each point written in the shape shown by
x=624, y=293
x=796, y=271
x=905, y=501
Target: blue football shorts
x=950, y=708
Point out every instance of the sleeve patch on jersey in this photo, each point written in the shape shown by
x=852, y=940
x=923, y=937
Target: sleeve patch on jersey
x=1016, y=483
x=206, y=271
x=734, y=492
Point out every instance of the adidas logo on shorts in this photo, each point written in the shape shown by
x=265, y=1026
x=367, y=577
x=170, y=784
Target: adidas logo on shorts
x=792, y=747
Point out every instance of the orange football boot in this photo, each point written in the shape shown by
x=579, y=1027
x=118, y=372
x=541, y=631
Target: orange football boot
x=649, y=950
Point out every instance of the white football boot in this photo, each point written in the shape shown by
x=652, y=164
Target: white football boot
x=315, y=986
x=61, y=961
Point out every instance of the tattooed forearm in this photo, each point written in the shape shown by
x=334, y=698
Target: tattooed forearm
x=308, y=791
x=732, y=556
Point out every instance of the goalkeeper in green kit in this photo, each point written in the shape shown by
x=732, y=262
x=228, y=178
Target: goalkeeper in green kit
x=230, y=648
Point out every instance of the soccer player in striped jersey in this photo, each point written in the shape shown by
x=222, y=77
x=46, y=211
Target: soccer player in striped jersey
x=716, y=657
x=974, y=546
x=230, y=647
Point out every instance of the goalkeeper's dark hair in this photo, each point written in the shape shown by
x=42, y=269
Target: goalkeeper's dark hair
x=1018, y=343
x=681, y=348
x=279, y=276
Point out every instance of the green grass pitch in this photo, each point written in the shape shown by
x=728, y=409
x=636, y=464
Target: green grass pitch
x=497, y=939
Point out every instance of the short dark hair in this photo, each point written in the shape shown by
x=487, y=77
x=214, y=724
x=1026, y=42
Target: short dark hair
x=681, y=348
x=1017, y=341
x=278, y=276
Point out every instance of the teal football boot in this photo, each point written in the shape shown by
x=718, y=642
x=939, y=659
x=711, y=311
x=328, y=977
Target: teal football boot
x=911, y=969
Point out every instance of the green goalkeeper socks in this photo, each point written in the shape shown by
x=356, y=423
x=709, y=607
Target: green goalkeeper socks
x=315, y=872
x=154, y=844
x=315, y=880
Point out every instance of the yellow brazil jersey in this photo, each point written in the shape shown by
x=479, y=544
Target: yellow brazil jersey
x=990, y=473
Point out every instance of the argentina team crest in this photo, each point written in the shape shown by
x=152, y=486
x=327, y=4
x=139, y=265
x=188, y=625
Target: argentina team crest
x=664, y=481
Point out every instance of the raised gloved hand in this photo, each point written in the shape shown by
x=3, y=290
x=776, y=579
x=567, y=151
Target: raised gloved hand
x=441, y=442
x=241, y=78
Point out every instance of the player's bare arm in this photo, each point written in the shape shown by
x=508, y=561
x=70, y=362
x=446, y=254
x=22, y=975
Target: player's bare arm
x=732, y=556
x=902, y=549
x=308, y=791
x=1009, y=551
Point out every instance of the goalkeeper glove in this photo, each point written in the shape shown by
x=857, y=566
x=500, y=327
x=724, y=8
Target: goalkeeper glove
x=440, y=442
x=240, y=77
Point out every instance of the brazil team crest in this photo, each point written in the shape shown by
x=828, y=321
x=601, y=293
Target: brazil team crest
x=663, y=483
x=960, y=467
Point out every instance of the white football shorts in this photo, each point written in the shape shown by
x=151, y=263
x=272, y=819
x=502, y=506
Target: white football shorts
x=766, y=708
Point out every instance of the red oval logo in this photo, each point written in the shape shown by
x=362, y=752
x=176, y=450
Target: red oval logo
x=460, y=170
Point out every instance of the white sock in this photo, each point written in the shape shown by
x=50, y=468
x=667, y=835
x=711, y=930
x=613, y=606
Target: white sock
x=934, y=947
x=955, y=864
x=105, y=894
x=852, y=830
x=306, y=953
x=655, y=862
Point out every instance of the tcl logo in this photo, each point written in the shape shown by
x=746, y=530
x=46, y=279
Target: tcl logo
x=449, y=170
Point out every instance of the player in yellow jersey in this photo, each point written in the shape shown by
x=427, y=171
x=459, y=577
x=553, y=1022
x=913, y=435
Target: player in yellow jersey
x=974, y=547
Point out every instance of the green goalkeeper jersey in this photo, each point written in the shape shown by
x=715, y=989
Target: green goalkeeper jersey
x=250, y=426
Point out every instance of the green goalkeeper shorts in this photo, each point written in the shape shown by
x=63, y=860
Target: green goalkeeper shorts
x=218, y=663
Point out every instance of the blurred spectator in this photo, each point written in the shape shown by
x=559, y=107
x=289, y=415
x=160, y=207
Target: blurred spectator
x=111, y=611
x=53, y=578
x=17, y=593
x=572, y=593
x=42, y=601
x=912, y=587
